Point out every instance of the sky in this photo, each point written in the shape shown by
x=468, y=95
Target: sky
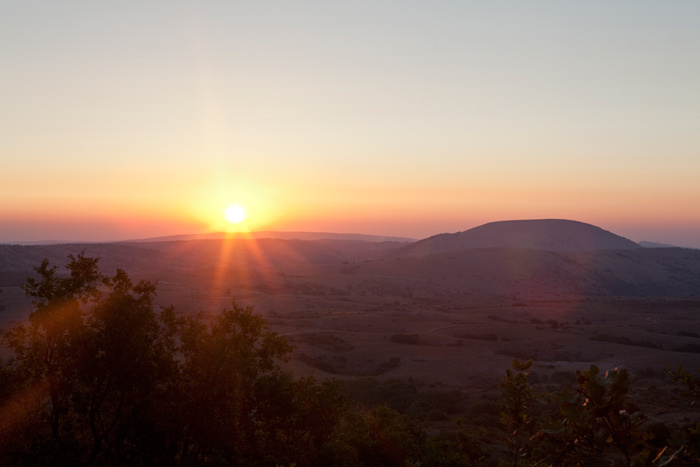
x=135, y=119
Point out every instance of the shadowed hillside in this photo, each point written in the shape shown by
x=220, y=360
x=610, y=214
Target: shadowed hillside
x=662, y=272
x=541, y=234
x=164, y=259
x=512, y=258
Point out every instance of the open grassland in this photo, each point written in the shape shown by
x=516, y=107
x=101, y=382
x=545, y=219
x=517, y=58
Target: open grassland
x=450, y=327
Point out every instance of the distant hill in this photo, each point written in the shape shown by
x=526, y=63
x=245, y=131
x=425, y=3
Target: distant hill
x=507, y=259
x=656, y=245
x=278, y=235
x=540, y=234
x=158, y=259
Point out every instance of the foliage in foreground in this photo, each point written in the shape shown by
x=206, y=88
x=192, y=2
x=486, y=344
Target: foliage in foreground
x=100, y=377
x=592, y=425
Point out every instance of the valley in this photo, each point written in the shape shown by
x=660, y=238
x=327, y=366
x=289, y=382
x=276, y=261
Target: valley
x=449, y=319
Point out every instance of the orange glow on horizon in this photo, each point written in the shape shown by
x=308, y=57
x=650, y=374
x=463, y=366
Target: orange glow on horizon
x=230, y=204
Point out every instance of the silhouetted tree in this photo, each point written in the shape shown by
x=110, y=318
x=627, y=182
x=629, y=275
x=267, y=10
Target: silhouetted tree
x=127, y=364
x=99, y=377
x=596, y=422
x=46, y=351
x=517, y=399
x=684, y=443
x=225, y=370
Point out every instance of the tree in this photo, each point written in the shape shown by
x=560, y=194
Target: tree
x=517, y=400
x=126, y=363
x=596, y=422
x=394, y=440
x=225, y=368
x=684, y=442
x=92, y=356
x=99, y=377
x=686, y=379
x=45, y=350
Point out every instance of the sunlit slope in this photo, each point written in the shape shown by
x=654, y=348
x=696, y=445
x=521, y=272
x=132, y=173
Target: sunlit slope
x=540, y=234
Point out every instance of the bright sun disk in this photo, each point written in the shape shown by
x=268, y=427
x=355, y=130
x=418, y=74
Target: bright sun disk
x=235, y=214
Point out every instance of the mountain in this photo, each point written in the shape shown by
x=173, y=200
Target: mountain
x=277, y=235
x=510, y=258
x=540, y=234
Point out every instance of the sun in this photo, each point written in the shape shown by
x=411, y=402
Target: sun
x=235, y=214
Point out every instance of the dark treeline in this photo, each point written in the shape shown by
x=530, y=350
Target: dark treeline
x=99, y=376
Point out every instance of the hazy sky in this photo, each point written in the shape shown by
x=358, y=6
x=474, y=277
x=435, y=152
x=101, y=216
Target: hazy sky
x=129, y=119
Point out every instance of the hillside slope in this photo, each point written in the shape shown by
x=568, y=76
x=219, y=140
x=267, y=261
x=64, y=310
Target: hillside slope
x=540, y=234
x=660, y=272
x=448, y=265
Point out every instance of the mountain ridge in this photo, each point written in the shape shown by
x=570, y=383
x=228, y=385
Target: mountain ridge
x=580, y=259
x=537, y=234
x=281, y=235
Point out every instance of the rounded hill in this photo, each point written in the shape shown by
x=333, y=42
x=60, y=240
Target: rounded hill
x=538, y=234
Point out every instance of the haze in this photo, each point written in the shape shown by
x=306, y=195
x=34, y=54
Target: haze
x=137, y=119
